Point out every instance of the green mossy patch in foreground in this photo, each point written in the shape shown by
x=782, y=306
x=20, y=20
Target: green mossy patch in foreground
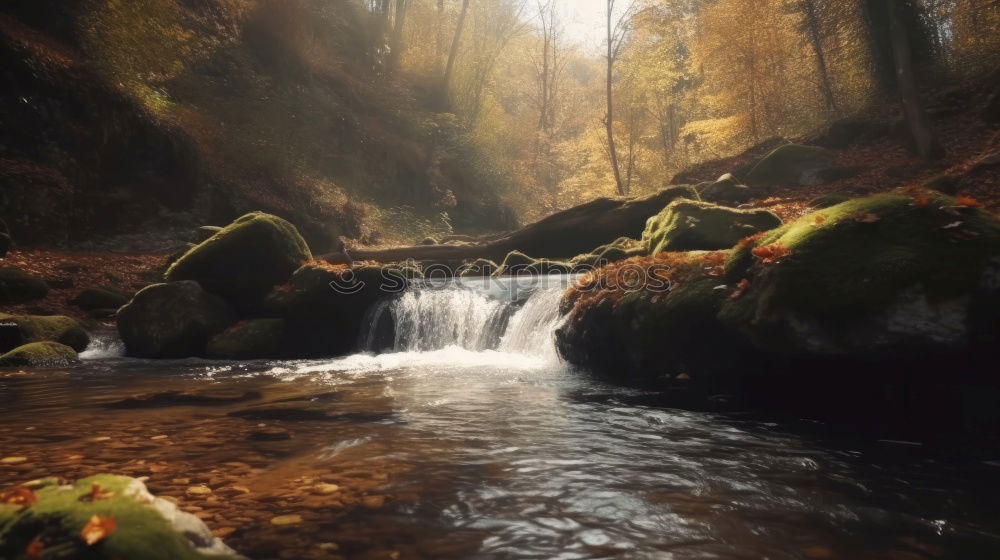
x=245, y=260
x=688, y=225
x=142, y=533
x=39, y=355
x=861, y=254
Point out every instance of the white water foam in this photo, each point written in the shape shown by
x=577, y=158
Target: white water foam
x=103, y=347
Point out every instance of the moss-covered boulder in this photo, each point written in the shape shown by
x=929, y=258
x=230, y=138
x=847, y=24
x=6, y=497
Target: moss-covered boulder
x=688, y=225
x=250, y=340
x=890, y=274
x=16, y=330
x=100, y=298
x=17, y=287
x=39, y=355
x=245, y=261
x=725, y=190
x=791, y=165
x=173, y=320
x=102, y=517
x=828, y=200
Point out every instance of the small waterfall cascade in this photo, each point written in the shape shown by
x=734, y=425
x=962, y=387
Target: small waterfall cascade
x=510, y=315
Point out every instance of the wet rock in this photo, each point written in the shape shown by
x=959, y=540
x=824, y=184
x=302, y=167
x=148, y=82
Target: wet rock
x=172, y=320
x=144, y=527
x=16, y=330
x=100, y=298
x=791, y=165
x=40, y=355
x=244, y=261
x=725, y=190
x=250, y=340
x=688, y=225
x=17, y=287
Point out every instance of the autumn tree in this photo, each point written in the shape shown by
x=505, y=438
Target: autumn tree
x=619, y=21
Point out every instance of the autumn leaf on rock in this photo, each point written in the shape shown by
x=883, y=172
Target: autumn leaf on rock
x=966, y=201
x=867, y=218
x=98, y=529
x=752, y=240
x=97, y=493
x=741, y=289
x=35, y=549
x=920, y=198
x=819, y=220
x=19, y=496
x=770, y=254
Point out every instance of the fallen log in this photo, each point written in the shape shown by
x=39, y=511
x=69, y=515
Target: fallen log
x=559, y=236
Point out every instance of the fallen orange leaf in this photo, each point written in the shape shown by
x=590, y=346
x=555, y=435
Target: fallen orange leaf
x=770, y=254
x=97, y=492
x=19, y=496
x=968, y=202
x=741, y=289
x=35, y=548
x=820, y=219
x=921, y=199
x=98, y=529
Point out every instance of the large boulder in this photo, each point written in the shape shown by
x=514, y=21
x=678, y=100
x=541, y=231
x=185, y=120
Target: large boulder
x=688, y=225
x=250, y=340
x=16, y=330
x=17, y=287
x=173, y=320
x=245, y=260
x=325, y=306
x=102, y=517
x=725, y=190
x=791, y=165
x=39, y=355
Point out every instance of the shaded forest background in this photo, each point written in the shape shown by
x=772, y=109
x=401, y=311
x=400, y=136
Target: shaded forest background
x=387, y=121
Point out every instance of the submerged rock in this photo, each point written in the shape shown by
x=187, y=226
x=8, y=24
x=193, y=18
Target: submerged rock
x=791, y=164
x=23, y=329
x=40, y=355
x=104, y=517
x=250, y=340
x=245, y=260
x=172, y=320
x=17, y=287
x=688, y=225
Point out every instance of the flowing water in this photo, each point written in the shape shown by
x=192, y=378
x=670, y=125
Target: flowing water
x=465, y=437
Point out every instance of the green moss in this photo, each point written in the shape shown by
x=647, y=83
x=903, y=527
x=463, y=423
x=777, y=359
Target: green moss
x=61, y=512
x=828, y=200
x=250, y=340
x=52, y=328
x=245, y=260
x=479, y=268
x=790, y=164
x=687, y=225
x=17, y=287
x=860, y=254
x=39, y=355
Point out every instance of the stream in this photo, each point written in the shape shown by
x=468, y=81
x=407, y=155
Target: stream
x=460, y=434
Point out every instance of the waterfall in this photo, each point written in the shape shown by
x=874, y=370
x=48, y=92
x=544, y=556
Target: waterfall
x=510, y=315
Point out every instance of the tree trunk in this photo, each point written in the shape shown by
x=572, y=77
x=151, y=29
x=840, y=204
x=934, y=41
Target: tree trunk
x=396, y=40
x=453, y=54
x=563, y=235
x=919, y=124
x=609, y=120
x=816, y=40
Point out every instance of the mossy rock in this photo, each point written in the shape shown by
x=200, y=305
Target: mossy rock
x=17, y=287
x=243, y=262
x=147, y=528
x=687, y=225
x=24, y=329
x=173, y=320
x=791, y=164
x=40, y=355
x=100, y=298
x=725, y=190
x=515, y=261
x=480, y=268
x=250, y=340
x=873, y=272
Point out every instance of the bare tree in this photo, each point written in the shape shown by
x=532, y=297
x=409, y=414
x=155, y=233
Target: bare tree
x=812, y=25
x=449, y=69
x=618, y=27
x=926, y=141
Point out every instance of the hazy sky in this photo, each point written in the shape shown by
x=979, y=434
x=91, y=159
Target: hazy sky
x=584, y=22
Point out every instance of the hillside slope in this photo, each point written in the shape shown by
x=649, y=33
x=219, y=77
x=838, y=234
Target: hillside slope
x=195, y=112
